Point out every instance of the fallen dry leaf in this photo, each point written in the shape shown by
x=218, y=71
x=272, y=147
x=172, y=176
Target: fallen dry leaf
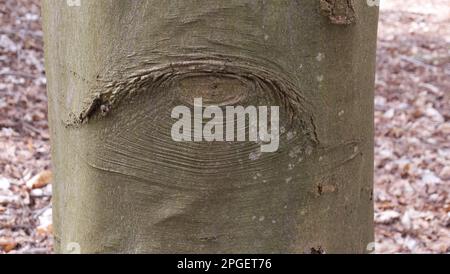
x=7, y=244
x=40, y=180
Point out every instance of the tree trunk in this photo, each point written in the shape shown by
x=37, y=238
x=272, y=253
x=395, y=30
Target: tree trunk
x=116, y=69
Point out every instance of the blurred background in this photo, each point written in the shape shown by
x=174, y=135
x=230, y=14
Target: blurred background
x=412, y=117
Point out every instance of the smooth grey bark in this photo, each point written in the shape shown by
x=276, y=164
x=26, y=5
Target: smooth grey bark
x=117, y=68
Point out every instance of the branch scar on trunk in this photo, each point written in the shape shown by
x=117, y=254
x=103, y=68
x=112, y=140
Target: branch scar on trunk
x=340, y=12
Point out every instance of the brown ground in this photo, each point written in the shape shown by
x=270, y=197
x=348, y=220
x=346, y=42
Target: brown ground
x=412, y=163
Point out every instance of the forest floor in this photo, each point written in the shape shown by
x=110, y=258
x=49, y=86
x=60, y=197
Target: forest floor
x=412, y=115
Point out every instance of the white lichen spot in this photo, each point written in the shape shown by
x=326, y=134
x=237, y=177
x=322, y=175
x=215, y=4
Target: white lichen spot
x=355, y=149
x=266, y=37
x=255, y=155
x=291, y=166
x=262, y=218
x=282, y=130
x=295, y=152
x=303, y=212
x=342, y=112
x=308, y=150
x=320, y=78
x=274, y=221
x=320, y=159
x=300, y=159
x=292, y=154
x=254, y=218
x=290, y=135
x=73, y=3
x=320, y=57
x=285, y=207
x=300, y=67
x=288, y=180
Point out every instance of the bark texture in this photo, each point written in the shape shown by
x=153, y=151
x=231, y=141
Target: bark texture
x=117, y=68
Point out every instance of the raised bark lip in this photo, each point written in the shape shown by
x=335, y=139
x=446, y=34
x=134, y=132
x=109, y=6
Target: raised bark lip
x=110, y=92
